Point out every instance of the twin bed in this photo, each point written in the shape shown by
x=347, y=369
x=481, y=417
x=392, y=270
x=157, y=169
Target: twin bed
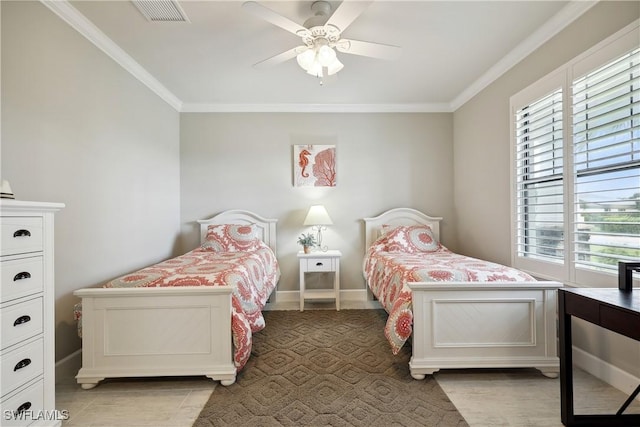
x=195, y=314
x=190, y=315
x=460, y=312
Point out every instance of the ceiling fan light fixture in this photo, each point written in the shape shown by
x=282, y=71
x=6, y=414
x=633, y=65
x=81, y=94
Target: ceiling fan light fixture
x=316, y=69
x=326, y=55
x=335, y=67
x=314, y=59
x=306, y=59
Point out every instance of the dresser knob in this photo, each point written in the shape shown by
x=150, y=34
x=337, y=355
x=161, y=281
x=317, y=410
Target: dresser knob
x=318, y=264
x=22, y=364
x=22, y=319
x=21, y=276
x=22, y=233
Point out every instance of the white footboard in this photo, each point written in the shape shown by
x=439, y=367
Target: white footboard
x=484, y=325
x=142, y=332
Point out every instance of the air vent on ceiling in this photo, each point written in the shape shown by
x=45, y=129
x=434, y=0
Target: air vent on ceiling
x=161, y=10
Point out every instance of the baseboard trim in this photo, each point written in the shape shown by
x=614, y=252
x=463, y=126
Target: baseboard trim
x=68, y=367
x=350, y=299
x=359, y=295
x=605, y=371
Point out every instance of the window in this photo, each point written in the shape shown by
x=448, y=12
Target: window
x=606, y=151
x=540, y=224
x=576, y=180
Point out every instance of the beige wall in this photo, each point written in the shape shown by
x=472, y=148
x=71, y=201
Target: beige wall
x=383, y=161
x=482, y=157
x=78, y=129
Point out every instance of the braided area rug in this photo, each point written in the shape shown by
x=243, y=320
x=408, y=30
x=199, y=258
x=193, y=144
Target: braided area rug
x=327, y=368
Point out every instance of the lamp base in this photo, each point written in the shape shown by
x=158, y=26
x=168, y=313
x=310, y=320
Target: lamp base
x=319, y=244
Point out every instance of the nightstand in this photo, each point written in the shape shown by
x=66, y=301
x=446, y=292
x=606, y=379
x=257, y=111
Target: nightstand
x=320, y=262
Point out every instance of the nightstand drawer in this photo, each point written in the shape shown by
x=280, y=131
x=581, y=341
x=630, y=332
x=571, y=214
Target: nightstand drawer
x=21, y=321
x=21, y=365
x=320, y=264
x=21, y=277
x=21, y=235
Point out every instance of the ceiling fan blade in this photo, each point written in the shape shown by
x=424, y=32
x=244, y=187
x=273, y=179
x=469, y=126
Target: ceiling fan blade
x=347, y=12
x=280, y=58
x=375, y=50
x=275, y=18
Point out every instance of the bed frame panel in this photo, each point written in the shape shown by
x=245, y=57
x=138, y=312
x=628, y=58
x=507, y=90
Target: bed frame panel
x=148, y=332
x=476, y=325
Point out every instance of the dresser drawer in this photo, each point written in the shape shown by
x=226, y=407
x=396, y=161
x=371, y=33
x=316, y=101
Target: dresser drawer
x=21, y=235
x=319, y=264
x=21, y=408
x=21, y=365
x=21, y=277
x=20, y=321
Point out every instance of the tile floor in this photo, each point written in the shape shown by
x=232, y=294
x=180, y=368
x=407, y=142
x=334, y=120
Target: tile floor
x=517, y=397
x=524, y=397
x=157, y=402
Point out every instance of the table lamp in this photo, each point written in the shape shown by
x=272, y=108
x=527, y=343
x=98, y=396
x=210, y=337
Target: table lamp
x=318, y=217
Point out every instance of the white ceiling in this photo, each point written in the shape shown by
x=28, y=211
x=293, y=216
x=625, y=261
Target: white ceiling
x=450, y=51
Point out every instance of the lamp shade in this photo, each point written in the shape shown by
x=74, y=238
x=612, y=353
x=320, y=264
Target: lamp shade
x=317, y=215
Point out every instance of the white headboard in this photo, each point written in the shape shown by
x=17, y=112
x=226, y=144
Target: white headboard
x=266, y=226
x=395, y=217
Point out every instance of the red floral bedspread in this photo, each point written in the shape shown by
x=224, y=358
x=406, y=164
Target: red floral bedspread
x=387, y=274
x=252, y=275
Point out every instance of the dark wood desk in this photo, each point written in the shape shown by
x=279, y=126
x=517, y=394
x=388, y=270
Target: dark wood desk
x=610, y=308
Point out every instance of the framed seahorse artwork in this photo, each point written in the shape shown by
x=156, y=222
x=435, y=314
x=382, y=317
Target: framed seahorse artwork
x=314, y=165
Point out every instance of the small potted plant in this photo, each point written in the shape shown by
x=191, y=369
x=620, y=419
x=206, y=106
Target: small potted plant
x=307, y=241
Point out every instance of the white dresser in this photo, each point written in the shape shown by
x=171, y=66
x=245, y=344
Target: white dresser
x=27, y=375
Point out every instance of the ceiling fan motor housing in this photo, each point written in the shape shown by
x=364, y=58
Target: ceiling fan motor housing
x=321, y=12
x=328, y=33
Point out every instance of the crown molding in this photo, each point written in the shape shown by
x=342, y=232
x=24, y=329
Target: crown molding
x=316, y=108
x=553, y=26
x=86, y=28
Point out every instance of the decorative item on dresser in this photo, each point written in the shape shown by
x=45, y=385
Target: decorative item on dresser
x=27, y=310
x=461, y=312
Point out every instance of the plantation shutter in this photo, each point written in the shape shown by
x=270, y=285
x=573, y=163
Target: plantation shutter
x=539, y=179
x=606, y=153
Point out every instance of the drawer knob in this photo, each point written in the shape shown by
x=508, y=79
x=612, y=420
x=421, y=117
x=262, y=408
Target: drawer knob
x=318, y=264
x=24, y=407
x=22, y=233
x=22, y=364
x=21, y=320
x=21, y=276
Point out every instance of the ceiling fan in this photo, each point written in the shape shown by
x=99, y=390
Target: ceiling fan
x=321, y=36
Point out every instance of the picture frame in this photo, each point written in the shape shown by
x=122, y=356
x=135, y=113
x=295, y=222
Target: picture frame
x=314, y=166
